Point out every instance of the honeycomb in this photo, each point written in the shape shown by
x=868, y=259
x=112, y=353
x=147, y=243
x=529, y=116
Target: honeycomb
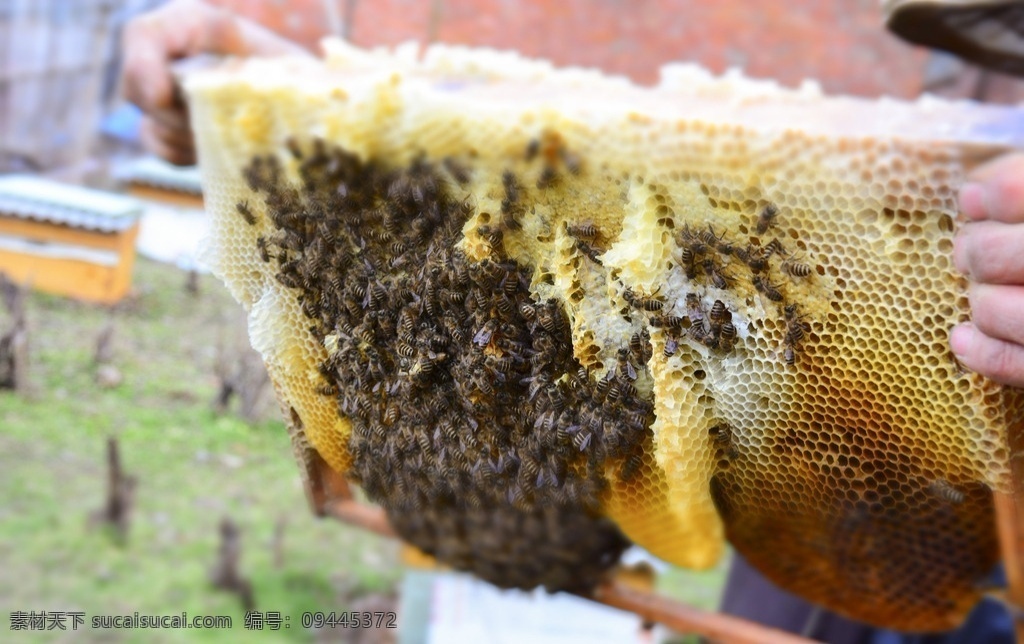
x=537, y=314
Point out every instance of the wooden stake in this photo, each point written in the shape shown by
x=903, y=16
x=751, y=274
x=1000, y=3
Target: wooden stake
x=14, y=341
x=225, y=574
x=117, y=510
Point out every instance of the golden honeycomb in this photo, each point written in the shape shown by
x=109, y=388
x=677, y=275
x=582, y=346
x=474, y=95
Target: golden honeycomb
x=528, y=308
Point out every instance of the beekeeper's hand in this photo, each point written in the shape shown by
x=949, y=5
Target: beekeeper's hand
x=176, y=30
x=990, y=250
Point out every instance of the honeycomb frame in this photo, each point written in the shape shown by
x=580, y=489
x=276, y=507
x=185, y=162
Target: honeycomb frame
x=805, y=402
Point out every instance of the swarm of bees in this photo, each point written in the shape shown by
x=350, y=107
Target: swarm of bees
x=701, y=252
x=473, y=424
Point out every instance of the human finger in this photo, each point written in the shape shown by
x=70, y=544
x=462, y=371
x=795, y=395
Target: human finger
x=169, y=144
x=997, y=359
x=995, y=190
x=997, y=311
x=990, y=252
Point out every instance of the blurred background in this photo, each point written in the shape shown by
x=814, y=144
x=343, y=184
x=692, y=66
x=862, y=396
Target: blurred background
x=143, y=463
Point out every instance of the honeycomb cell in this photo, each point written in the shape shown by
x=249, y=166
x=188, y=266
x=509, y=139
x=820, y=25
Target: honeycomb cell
x=505, y=311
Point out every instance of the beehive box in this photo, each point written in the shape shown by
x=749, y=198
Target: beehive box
x=67, y=240
x=530, y=309
x=156, y=180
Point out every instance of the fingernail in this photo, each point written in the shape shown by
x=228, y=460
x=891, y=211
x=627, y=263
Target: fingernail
x=973, y=200
x=961, y=339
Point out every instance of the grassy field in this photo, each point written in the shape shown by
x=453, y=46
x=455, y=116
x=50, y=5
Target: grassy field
x=194, y=467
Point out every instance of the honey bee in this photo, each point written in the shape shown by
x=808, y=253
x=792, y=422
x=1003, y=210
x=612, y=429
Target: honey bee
x=483, y=336
x=548, y=177
x=508, y=180
x=592, y=253
x=794, y=268
x=614, y=392
x=254, y=175
x=493, y=236
x=709, y=237
x=694, y=241
x=627, y=389
x=530, y=468
x=728, y=333
x=631, y=467
x=505, y=365
x=766, y=218
x=666, y=321
x=755, y=258
x=293, y=147
x=789, y=355
x=510, y=217
x=585, y=231
x=625, y=365
x=640, y=345
x=705, y=335
x=796, y=326
x=262, y=245
x=947, y=491
x=548, y=321
x=327, y=390
x=527, y=311
x=510, y=284
x=448, y=431
x=247, y=214
x=582, y=440
x=454, y=330
x=366, y=333
x=694, y=310
x=767, y=288
x=671, y=346
x=457, y=170
x=686, y=255
x=532, y=149
x=713, y=271
x=505, y=306
x=646, y=303
x=379, y=236
x=572, y=161
x=407, y=322
x=721, y=434
x=775, y=247
x=718, y=311
x=725, y=247
x=425, y=444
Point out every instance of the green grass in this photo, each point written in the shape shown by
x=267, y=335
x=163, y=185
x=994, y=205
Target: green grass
x=193, y=467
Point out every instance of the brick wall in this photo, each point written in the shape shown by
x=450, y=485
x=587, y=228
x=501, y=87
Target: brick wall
x=841, y=43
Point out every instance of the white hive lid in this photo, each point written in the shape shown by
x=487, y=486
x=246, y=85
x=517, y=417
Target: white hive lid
x=39, y=199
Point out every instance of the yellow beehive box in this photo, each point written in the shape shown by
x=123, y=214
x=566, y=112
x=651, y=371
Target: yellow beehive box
x=67, y=240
